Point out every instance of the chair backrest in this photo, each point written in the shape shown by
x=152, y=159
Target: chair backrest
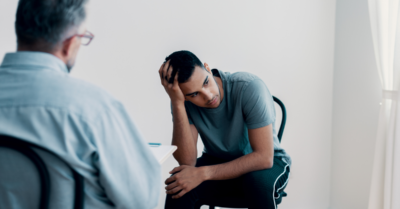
x=25, y=148
x=283, y=121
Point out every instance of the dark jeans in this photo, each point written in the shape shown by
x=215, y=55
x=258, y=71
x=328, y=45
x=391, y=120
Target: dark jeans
x=262, y=189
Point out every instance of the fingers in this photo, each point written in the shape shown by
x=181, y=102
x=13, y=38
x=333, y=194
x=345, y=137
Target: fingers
x=174, y=190
x=175, y=176
x=165, y=71
x=170, y=179
x=177, y=169
x=176, y=80
x=160, y=73
x=161, y=67
x=179, y=195
x=169, y=72
x=171, y=185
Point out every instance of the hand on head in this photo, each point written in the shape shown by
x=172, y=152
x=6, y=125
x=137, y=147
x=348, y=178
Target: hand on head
x=173, y=90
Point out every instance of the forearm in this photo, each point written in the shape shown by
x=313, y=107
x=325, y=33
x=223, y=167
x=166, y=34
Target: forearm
x=235, y=168
x=182, y=137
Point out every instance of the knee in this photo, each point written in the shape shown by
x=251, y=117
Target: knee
x=262, y=178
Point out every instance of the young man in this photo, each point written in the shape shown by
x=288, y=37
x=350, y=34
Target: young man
x=234, y=115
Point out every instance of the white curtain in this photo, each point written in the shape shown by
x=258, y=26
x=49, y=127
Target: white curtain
x=385, y=184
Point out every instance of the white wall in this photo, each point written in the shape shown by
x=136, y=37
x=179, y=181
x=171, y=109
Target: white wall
x=289, y=44
x=356, y=99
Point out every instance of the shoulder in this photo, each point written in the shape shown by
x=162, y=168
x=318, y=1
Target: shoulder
x=76, y=95
x=243, y=77
x=84, y=88
x=244, y=81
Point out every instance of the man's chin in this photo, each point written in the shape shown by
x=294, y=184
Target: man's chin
x=209, y=106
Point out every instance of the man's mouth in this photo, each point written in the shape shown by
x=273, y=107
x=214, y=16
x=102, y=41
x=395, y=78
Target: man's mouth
x=213, y=101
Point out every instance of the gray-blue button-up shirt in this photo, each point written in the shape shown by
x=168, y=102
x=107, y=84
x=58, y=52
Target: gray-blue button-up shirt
x=84, y=125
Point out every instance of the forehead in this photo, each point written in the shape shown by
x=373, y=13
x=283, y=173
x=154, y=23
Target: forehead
x=196, y=81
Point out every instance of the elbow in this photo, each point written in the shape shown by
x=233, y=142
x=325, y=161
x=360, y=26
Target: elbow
x=264, y=160
x=268, y=163
x=186, y=161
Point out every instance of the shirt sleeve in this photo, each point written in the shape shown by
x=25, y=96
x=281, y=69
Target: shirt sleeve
x=187, y=113
x=257, y=105
x=128, y=170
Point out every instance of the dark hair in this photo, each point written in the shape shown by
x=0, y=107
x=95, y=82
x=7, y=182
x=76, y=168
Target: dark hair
x=184, y=63
x=47, y=21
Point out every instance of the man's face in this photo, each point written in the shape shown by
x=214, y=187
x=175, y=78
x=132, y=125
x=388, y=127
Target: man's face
x=201, y=89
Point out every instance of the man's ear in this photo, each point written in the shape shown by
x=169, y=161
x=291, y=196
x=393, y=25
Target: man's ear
x=67, y=46
x=207, y=67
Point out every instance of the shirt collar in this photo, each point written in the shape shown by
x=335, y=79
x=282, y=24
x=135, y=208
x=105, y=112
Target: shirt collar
x=37, y=59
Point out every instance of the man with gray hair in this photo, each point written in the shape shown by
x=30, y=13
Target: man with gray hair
x=82, y=124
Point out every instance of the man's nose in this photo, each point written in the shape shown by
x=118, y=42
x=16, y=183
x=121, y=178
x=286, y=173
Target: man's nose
x=208, y=96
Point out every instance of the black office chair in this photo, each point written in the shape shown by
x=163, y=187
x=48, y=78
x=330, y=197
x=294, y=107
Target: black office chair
x=25, y=148
x=241, y=202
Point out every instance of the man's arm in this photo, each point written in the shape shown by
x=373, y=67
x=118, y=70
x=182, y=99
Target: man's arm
x=261, y=158
x=184, y=135
x=261, y=140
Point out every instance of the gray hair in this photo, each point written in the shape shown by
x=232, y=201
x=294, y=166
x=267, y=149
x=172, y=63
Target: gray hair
x=47, y=21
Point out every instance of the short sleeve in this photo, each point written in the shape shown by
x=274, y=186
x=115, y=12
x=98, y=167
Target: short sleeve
x=257, y=105
x=187, y=113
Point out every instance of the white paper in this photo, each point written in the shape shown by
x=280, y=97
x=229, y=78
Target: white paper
x=162, y=152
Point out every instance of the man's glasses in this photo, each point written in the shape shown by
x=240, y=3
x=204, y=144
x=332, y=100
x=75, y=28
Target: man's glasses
x=86, y=38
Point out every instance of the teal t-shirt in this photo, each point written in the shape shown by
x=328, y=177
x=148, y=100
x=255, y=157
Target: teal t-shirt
x=247, y=104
